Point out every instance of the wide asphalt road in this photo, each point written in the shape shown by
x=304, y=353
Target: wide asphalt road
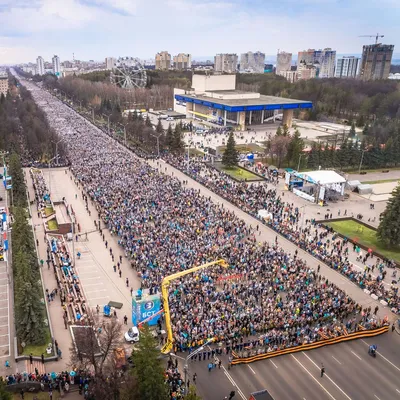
x=350, y=373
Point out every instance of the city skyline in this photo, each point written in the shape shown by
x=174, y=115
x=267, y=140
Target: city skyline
x=141, y=29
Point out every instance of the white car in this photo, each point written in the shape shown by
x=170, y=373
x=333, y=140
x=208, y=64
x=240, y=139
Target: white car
x=169, y=119
x=132, y=335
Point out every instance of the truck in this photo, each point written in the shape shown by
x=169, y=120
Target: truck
x=261, y=395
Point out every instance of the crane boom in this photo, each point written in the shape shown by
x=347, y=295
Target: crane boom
x=377, y=36
x=164, y=290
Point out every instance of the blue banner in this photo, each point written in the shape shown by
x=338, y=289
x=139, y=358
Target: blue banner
x=144, y=308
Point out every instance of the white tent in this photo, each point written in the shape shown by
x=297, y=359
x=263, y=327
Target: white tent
x=324, y=177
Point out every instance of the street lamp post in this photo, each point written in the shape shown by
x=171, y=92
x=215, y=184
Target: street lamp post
x=298, y=164
x=56, y=143
x=108, y=122
x=186, y=366
x=50, y=173
x=362, y=158
x=124, y=125
x=158, y=144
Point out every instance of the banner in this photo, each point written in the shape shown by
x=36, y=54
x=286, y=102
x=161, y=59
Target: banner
x=145, y=307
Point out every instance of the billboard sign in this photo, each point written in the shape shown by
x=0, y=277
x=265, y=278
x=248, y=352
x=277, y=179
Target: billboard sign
x=145, y=307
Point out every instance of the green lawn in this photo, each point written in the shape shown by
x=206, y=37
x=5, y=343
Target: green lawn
x=48, y=210
x=40, y=349
x=52, y=224
x=380, y=181
x=240, y=173
x=365, y=236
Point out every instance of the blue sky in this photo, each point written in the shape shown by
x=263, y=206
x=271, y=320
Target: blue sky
x=94, y=29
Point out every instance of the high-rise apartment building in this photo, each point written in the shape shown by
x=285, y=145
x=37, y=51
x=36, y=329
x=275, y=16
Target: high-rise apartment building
x=323, y=60
x=225, y=62
x=306, y=71
x=252, y=62
x=110, y=63
x=56, y=65
x=290, y=76
x=40, y=66
x=283, y=62
x=347, y=67
x=3, y=83
x=182, y=61
x=163, y=60
x=375, y=62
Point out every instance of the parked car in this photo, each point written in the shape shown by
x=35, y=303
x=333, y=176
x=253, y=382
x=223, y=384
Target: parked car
x=132, y=335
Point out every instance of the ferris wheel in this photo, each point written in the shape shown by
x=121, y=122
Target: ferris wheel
x=128, y=73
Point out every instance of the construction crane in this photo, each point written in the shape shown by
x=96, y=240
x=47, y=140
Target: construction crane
x=377, y=36
x=164, y=290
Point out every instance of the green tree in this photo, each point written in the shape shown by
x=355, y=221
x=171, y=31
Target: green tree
x=296, y=147
x=149, y=370
x=148, y=122
x=352, y=131
x=18, y=182
x=389, y=225
x=159, y=128
x=4, y=394
x=170, y=137
x=177, y=138
x=366, y=129
x=286, y=130
x=28, y=306
x=230, y=157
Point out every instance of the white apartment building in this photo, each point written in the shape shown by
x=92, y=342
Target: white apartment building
x=3, y=83
x=323, y=60
x=347, y=67
x=110, y=63
x=252, y=62
x=283, y=62
x=40, y=66
x=225, y=62
x=290, y=76
x=56, y=65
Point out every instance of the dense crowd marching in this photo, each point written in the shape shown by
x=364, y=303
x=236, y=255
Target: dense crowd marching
x=165, y=227
x=286, y=220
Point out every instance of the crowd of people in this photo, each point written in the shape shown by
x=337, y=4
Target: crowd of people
x=285, y=219
x=166, y=227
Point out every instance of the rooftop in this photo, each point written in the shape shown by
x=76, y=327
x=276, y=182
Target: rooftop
x=217, y=99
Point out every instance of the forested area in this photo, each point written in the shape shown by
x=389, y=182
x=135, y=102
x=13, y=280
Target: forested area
x=24, y=128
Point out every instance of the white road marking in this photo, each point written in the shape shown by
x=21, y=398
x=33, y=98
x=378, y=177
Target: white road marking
x=274, y=364
x=397, y=390
x=327, y=375
x=252, y=370
x=234, y=384
x=309, y=373
x=357, y=355
x=398, y=369
x=377, y=397
x=337, y=360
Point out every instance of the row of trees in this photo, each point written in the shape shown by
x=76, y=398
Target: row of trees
x=28, y=293
x=340, y=98
x=24, y=128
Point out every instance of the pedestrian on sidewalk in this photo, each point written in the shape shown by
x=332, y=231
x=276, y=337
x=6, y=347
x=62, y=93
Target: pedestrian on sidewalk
x=322, y=370
x=194, y=378
x=115, y=268
x=31, y=358
x=59, y=353
x=120, y=273
x=127, y=282
x=125, y=320
x=42, y=358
